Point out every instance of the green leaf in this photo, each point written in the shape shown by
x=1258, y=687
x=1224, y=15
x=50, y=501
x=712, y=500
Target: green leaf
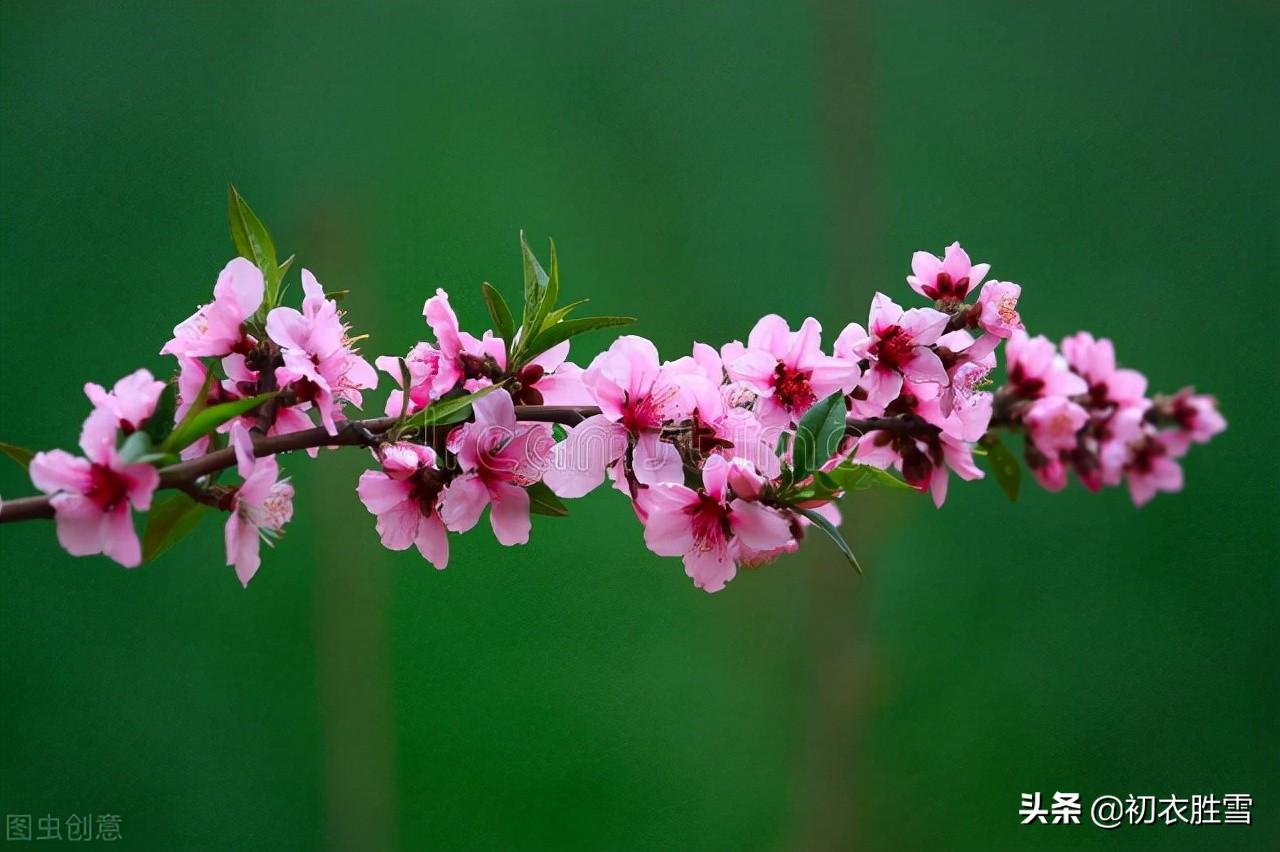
x=1004, y=465
x=503, y=325
x=209, y=419
x=830, y=529
x=135, y=447
x=543, y=501
x=452, y=410
x=819, y=433
x=560, y=313
x=549, y=296
x=21, y=455
x=160, y=423
x=859, y=477
x=558, y=432
x=169, y=521
x=254, y=243
x=562, y=331
x=535, y=282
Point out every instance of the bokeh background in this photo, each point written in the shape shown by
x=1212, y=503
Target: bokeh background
x=699, y=165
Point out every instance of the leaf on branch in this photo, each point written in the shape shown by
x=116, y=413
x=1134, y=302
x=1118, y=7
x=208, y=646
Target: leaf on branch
x=1004, y=465
x=208, y=419
x=859, y=477
x=562, y=331
x=452, y=410
x=535, y=283
x=830, y=529
x=543, y=501
x=21, y=456
x=503, y=324
x=819, y=434
x=169, y=521
x=254, y=243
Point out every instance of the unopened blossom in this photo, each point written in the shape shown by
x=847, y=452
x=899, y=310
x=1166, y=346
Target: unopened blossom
x=405, y=497
x=217, y=329
x=319, y=361
x=949, y=278
x=1053, y=423
x=998, y=308
x=1036, y=369
x=92, y=497
x=551, y=379
x=260, y=506
x=703, y=526
x=131, y=401
x=787, y=368
x=499, y=458
x=1095, y=361
x=898, y=344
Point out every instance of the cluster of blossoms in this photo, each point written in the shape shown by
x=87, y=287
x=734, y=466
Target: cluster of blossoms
x=729, y=456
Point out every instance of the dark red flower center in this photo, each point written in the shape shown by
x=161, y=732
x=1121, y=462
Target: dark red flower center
x=792, y=389
x=946, y=290
x=893, y=347
x=106, y=487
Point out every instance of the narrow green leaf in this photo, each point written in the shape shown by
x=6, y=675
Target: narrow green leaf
x=254, y=243
x=445, y=411
x=135, y=447
x=169, y=521
x=160, y=423
x=543, y=501
x=1004, y=465
x=21, y=456
x=562, y=331
x=818, y=434
x=503, y=325
x=535, y=282
x=558, y=432
x=549, y=296
x=560, y=313
x=209, y=419
x=859, y=477
x=830, y=529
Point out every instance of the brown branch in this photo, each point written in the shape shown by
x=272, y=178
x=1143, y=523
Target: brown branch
x=354, y=433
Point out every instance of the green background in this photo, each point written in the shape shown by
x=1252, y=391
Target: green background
x=698, y=166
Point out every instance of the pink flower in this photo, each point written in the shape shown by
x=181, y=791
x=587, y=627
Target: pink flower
x=464, y=359
x=898, y=344
x=637, y=397
x=423, y=363
x=130, y=402
x=1095, y=360
x=216, y=329
x=1197, y=418
x=1151, y=468
x=922, y=460
x=948, y=278
x=498, y=457
x=704, y=526
x=92, y=496
x=260, y=506
x=1054, y=423
x=405, y=497
x=1036, y=369
x=998, y=308
x=318, y=359
x=787, y=368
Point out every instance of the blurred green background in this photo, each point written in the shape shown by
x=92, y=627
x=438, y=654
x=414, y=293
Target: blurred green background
x=698, y=165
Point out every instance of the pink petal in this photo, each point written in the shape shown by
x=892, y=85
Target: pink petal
x=433, y=541
x=509, y=514
x=58, y=470
x=761, y=527
x=710, y=569
x=463, y=502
